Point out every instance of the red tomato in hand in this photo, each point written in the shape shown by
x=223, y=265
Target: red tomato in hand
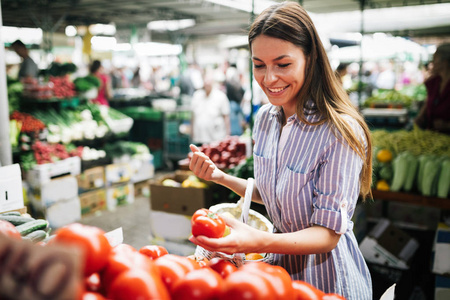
x=278, y=278
x=222, y=267
x=201, y=284
x=137, y=284
x=9, y=229
x=124, y=257
x=306, y=291
x=153, y=251
x=173, y=267
x=92, y=242
x=207, y=223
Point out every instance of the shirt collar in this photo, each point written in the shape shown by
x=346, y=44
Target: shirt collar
x=310, y=113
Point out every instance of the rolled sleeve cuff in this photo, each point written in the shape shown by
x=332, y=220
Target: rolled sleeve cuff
x=335, y=220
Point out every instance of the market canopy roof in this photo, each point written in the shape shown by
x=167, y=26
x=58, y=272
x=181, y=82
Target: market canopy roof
x=212, y=17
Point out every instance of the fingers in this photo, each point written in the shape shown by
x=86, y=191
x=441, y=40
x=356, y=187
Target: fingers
x=194, y=148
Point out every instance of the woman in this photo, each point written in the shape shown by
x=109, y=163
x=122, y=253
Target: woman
x=105, y=89
x=312, y=157
x=435, y=112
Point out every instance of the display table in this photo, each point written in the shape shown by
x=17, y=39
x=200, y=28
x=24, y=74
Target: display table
x=411, y=199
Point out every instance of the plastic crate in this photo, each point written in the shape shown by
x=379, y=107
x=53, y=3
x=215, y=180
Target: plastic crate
x=178, y=147
x=158, y=160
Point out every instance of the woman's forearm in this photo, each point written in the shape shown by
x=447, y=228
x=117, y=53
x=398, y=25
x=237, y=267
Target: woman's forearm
x=315, y=239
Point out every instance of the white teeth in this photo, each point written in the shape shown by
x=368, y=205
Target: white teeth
x=276, y=90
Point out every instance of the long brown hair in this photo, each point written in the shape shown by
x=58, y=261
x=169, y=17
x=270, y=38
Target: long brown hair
x=290, y=22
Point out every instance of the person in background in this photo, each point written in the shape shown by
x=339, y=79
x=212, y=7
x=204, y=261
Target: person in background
x=312, y=160
x=105, y=89
x=235, y=93
x=28, y=68
x=210, y=112
x=435, y=112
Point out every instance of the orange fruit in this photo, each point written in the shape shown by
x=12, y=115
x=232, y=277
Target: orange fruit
x=253, y=256
x=382, y=185
x=384, y=155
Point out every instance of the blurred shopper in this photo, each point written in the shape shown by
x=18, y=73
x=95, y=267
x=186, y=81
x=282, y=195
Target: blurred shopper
x=312, y=160
x=105, y=89
x=386, y=77
x=210, y=112
x=235, y=93
x=435, y=112
x=28, y=68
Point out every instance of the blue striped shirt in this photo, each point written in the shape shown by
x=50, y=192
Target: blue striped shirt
x=309, y=177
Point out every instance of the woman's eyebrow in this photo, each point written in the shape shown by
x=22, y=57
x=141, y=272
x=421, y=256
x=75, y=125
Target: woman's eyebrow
x=278, y=58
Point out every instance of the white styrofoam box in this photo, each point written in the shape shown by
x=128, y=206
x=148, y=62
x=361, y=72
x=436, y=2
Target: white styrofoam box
x=58, y=189
x=183, y=248
x=169, y=226
x=119, y=194
x=41, y=174
x=11, y=193
x=441, y=263
x=63, y=212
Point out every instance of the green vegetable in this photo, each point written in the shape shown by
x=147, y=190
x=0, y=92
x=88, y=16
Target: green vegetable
x=16, y=220
x=400, y=165
x=385, y=172
x=412, y=173
x=36, y=236
x=430, y=176
x=11, y=213
x=444, y=179
x=28, y=227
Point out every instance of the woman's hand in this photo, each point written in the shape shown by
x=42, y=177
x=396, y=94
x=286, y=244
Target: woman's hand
x=203, y=167
x=242, y=239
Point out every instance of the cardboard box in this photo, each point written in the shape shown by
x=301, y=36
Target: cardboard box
x=142, y=168
x=388, y=245
x=442, y=288
x=142, y=189
x=92, y=178
x=42, y=174
x=93, y=201
x=117, y=173
x=178, y=200
x=11, y=192
x=119, y=194
x=441, y=249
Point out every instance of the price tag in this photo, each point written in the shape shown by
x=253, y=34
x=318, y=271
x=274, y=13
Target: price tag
x=115, y=237
x=29, y=271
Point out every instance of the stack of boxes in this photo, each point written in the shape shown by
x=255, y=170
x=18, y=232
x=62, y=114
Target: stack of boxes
x=53, y=191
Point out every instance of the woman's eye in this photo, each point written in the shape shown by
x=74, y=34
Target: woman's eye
x=283, y=65
x=258, y=66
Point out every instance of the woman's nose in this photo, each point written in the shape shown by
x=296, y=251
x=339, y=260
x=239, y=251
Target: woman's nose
x=269, y=77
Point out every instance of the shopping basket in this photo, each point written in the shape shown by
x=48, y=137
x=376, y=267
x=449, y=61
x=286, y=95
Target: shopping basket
x=241, y=210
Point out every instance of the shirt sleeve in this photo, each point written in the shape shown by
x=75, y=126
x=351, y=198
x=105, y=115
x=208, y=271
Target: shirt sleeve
x=336, y=189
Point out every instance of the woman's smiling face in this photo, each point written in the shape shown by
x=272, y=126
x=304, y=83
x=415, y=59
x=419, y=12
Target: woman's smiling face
x=279, y=68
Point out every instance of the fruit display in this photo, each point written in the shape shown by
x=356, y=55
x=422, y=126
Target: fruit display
x=226, y=154
x=416, y=161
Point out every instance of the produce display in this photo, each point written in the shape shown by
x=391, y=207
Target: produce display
x=403, y=98
x=23, y=226
x=226, y=154
x=416, y=161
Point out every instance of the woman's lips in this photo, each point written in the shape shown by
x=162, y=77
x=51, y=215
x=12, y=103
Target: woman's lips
x=277, y=90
